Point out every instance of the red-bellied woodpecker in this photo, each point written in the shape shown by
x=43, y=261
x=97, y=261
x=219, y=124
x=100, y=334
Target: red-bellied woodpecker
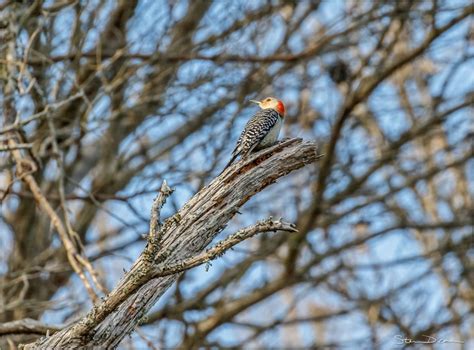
x=262, y=129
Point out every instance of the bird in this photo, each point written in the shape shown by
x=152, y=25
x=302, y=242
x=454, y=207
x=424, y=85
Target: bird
x=262, y=130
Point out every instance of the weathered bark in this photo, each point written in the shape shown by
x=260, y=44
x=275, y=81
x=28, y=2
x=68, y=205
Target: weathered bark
x=184, y=235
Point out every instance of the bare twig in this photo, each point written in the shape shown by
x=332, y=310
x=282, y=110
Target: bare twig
x=220, y=248
x=26, y=326
x=69, y=244
x=17, y=146
x=49, y=108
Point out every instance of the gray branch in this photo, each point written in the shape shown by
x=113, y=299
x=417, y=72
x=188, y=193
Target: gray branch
x=155, y=223
x=183, y=236
x=26, y=326
x=220, y=248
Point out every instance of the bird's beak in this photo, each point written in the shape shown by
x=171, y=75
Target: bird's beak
x=255, y=101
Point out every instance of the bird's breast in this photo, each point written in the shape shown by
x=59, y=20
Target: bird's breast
x=272, y=136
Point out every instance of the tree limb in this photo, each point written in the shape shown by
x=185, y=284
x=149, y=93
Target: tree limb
x=220, y=248
x=182, y=236
x=26, y=326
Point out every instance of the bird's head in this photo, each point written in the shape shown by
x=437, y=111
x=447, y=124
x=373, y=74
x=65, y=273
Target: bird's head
x=273, y=103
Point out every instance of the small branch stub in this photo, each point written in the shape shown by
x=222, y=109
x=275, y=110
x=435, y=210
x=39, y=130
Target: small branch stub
x=155, y=224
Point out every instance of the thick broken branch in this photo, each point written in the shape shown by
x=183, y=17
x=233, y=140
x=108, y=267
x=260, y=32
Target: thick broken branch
x=183, y=236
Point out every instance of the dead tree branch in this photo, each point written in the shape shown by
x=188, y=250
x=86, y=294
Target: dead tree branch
x=220, y=248
x=182, y=236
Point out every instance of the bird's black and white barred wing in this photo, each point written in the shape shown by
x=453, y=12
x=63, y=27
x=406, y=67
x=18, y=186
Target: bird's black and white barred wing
x=254, y=132
x=256, y=129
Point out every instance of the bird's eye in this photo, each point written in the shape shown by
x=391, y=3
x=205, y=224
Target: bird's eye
x=268, y=100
